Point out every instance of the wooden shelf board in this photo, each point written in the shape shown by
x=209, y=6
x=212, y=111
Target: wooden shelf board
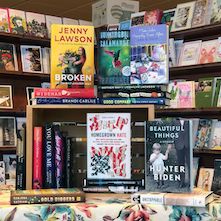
x=12, y=112
x=24, y=74
x=207, y=151
x=7, y=148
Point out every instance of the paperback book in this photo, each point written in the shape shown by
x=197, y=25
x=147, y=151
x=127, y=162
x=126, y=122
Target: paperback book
x=2, y=173
x=4, y=20
x=205, y=178
x=216, y=184
x=114, y=58
x=52, y=20
x=72, y=61
x=169, y=156
x=149, y=54
x=168, y=17
x=215, y=12
x=6, y=101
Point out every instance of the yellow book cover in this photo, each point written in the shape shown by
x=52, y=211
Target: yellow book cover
x=72, y=56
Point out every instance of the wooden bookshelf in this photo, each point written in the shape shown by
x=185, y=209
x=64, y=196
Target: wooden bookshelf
x=19, y=74
x=206, y=151
x=38, y=115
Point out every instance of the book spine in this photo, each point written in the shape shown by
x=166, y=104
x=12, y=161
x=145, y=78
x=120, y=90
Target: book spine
x=67, y=101
x=24, y=199
x=157, y=101
x=64, y=93
x=133, y=87
x=156, y=199
x=37, y=156
x=20, y=168
x=68, y=162
x=59, y=157
x=49, y=157
x=111, y=189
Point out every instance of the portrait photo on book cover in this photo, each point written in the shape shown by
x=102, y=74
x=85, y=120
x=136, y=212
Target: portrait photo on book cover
x=168, y=155
x=6, y=101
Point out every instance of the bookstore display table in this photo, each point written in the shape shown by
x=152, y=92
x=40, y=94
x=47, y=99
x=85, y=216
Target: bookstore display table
x=105, y=209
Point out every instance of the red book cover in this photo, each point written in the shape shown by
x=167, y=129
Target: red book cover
x=64, y=93
x=37, y=156
x=153, y=17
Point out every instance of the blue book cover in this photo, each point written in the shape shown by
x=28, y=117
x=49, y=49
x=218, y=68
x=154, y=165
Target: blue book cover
x=149, y=54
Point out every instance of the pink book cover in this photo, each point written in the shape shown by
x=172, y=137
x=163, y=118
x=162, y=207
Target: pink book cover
x=37, y=158
x=153, y=17
x=4, y=20
x=186, y=94
x=208, y=52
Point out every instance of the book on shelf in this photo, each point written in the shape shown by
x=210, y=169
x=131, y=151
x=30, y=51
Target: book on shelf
x=169, y=156
x=174, y=93
x=46, y=60
x=168, y=17
x=196, y=198
x=205, y=178
x=195, y=169
x=218, y=51
x=31, y=57
x=6, y=101
x=153, y=17
x=215, y=12
x=73, y=195
x=2, y=173
x=183, y=16
x=70, y=21
x=216, y=184
x=178, y=44
x=17, y=21
x=172, y=53
x=4, y=20
x=36, y=25
x=52, y=20
x=8, y=57
x=114, y=58
x=137, y=18
x=67, y=101
x=149, y=54
x=111, y=189
x=215, y=138
x=71, y=65
x=216, y=91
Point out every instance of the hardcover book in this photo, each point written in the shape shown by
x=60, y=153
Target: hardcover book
x=149, y=54
x=200, y=15
x=72, y=61
x=114, y=58
x=153, y=17
x=10, y=168
x=108, y=146
x=4, y=20
x=208, y=52
x=174, y=93
x=31, y=59
x=178, y=48
x=186, y=94
x=2, y=172
x=72, y=195
x=46, y=60
x=17, y=21
x=205, y=178
x=172, y=53
x=218, y=51
x=183, y=16
x=190, y=53
x=215, y=12
x=168, y=17
x=216, y=184
x=6, y=101
x=8, y=57
x=169, y=156
x=52, y=20
x=36, y=25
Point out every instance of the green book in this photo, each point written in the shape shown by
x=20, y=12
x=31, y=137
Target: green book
x=216, y=91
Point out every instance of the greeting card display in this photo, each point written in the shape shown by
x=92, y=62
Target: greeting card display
x=108, y=146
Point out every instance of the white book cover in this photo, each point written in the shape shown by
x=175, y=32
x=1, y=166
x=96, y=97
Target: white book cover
x=178, y=44
x=70, y=21
x=190, y=53
x=172, y=53
x=205, y=178
x=215, y=139
x=183, y=16
x=2, y=172
x=4, y=20
x=218, y=51
x=52, y=20
x=36, y=24
x=31, y=59
x=17, y=21
x=84, y=22
x=174, y=92
x=46, y=60
x=109, y=146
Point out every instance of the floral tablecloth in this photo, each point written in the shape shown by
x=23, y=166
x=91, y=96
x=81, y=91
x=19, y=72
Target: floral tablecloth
x=110, y=208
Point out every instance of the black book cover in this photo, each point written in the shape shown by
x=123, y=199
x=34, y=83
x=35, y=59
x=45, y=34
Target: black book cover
x=169, y=156
x=216, y=185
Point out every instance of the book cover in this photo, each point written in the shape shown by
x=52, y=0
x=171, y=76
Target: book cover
x=138, y=18
x=68, y=163
x=190, y=53
x=36, y=25
x=49, y=157
x=195, y=168
x=203, y=133
x=205, y=178
x=186, y=94
x=46, y=60
x=216, y=90
x=72, y=61
x=215, y=12
x=52, y=20
x=31, y=59
x=172, y=53
x=4, y=20
x=70, y=21
x=216, y=184
x=6, y=101
x=152, y=198
x=17, y=21
x=218, y=51
x=67, y=100
x=149, y=54
x=174, y=93
x=114, y=58
x=215, y=139
x=153, y=17
x=169, y=156
x=108, y=146
x=208, y=52
x=10, y=168
x=2, y=172
x=168, y=17
x=37, y=158
x=61, y=195
x=200, y=13
x=8, y=58
x=178, y=44
x=204, y=92
x=183, y=16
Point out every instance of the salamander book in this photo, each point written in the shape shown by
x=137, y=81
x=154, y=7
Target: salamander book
x=169, y=156
x=114, y=58
x=72, y=60
x=149, y=54
x=72, y=195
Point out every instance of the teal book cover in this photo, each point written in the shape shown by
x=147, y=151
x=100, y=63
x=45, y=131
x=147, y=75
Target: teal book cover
x=114, y=57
